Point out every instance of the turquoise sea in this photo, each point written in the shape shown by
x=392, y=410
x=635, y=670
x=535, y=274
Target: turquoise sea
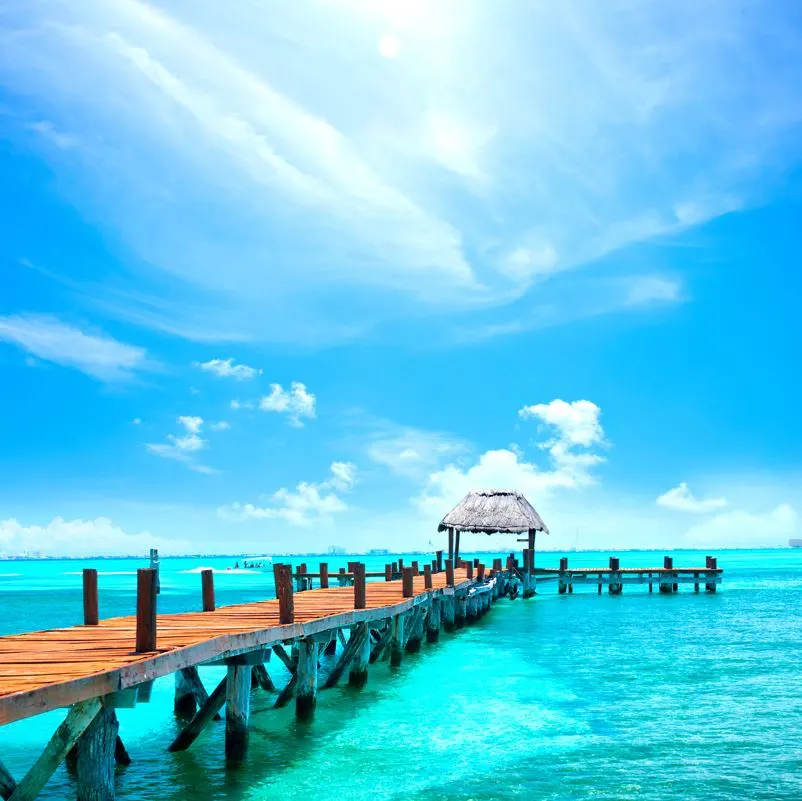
x=559, y=697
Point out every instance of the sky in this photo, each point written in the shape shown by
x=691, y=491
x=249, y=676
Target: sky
x=280, y=276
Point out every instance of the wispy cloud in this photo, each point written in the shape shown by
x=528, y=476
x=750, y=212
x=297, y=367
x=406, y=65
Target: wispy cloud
x=297, y=403
x=225, y=368
x=434, y=184
x=308, y=503
x=412, y=452
x=683, y=500
x=184, y=447
x=95, y=353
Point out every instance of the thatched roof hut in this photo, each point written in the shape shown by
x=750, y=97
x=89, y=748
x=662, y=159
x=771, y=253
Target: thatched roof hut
x=492, y=511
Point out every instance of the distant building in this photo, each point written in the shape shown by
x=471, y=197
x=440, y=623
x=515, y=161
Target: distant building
x=336, y=550
x=377, y=551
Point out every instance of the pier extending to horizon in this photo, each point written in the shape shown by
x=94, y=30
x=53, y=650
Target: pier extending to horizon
x=106, y=664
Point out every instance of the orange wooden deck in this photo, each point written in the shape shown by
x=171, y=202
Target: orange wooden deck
x=45, y=670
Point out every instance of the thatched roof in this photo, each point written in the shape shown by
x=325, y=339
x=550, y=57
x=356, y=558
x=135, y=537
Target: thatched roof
x=493, y=510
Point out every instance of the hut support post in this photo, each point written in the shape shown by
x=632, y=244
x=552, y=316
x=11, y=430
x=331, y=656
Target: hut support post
x=451, y=543
x=456, y=547
x=306, y=683
x=238, y=711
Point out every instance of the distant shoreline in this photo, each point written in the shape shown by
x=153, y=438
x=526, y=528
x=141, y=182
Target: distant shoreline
x=364, y=554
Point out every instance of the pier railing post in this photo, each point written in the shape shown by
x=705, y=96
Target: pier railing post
x=712, y=564
x=439, y=555
x=615, y=586
x=427, y=576
x=480, y=572
x=415, y=568
x=286, y=601
x=666, y=583
x=145, y=610
x=207, y=590
x=562, y=586
x=90, y=597
x=407, y=584
x=388, y=572
x=324, y=575
x=449, y=572
x=469, y=571
x=360, y=592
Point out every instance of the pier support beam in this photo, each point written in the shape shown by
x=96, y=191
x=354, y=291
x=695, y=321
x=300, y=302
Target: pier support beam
x=397, y=640
x=358, y=677
x=433, y=621
x=201, y=719
x=359, y=634
x=96, y=758
x=7, y=783
x=238, y=711
x=415, y=626
x=449, y=609
x=306, y=684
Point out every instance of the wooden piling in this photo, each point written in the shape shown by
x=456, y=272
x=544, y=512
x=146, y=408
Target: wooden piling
x=562, y=585
x=439, y=559
x=407, y=583
x=145, y=610
x=202, y=718
x=712, y=564
x=184, y=701
x=480, y=572
x=360, y=597
x=469, y=571
x=90, y=597
x=358, y=675
x=238, y=706
x=324, y=575
x=207, y=590
x=460, y=609
x=306, y=682
x=615, y=587
x=427, y=577
x=95, y=757
x=284, y=592
x=448, y=611
x=433, y=621
x=397, y=639
x=388, y=572
x=415, y=568
x=450, y=543
x=449, y=573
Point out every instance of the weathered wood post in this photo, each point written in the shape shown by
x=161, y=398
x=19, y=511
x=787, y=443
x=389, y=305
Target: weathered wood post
x=358, y=675
x=324, y=575
x=238, y=705
x=450, y=543
x=388, y=572
x=456, y=546
x=469, y=571
x=415, y=568
x=448, y=610
x=528, y=572
x=433, y=621
x=306, y=679
x=395, y=568
x=666, y=581
x=439, y=557
x=342, y=579
x=145, y=610
x=427, y=576
x=286, y=601
x=562, y=586
x=407, y=584
x=415, y=630
x=712, y=564
x=449, y=573
x=360, y=592
x=480, y=572
x=460, y=609
x=615, y=586
x=434, y=566
x=154, y=564
x=397, y=638
x=90, y=597
x=207, y=590
x=498, y=572
x=95, y=757
x=184, y=702
x=400, y=565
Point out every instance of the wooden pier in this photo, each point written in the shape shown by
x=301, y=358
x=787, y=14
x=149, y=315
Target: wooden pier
x=106, y=664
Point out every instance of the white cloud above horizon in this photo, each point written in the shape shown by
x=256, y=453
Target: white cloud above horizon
x=184, y=447
x=96, y=354
x=683, y=500
x=297, y=403
x=408, y=195
x=225, y=368
x=309, y=503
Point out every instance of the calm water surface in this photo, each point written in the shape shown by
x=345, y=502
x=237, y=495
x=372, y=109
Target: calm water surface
x=561, y=697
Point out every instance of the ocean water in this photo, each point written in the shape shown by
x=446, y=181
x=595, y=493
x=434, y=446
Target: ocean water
x=635, y=696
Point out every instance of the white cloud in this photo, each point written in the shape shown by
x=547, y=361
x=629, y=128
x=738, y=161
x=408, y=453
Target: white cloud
x=97, y=355
x=653, y=119
x=307, y=504
x=743, y=529
x=682, y=499
x=412, y=452
x=48, y=131
x=575, y=423
x=296, y=403
x=238, y=404
x=182, y=448
x=573, y=426
x=647, y=290
x=80, y=538
x=222, y=425
x=225, y=368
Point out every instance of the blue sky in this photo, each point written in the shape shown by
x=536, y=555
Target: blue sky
x=274, y=281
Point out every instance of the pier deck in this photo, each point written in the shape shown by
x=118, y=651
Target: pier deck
x=45, y=670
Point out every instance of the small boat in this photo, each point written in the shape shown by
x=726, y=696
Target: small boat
x=795, y=543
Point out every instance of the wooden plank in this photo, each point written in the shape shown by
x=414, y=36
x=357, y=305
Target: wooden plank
x=63, y=739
